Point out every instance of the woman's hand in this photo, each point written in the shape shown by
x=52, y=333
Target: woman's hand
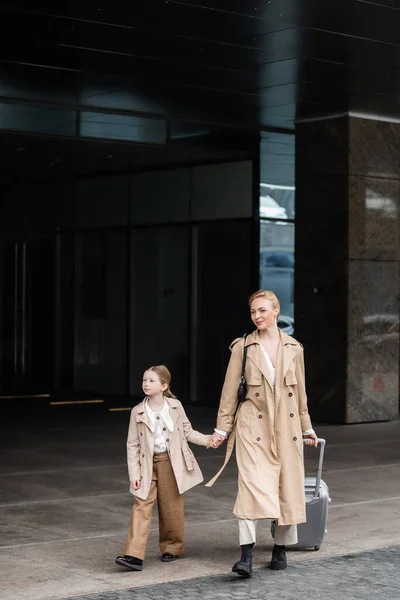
x=310, y=439
x=211, y=442
x=136, y=484
x=217, y=440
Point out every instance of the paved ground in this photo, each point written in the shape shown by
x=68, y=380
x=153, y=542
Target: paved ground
x=353, y=577
x=65, y=509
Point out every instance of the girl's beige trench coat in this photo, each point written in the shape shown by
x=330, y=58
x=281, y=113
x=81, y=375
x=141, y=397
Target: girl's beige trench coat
x=268, y=429
x=140, y=449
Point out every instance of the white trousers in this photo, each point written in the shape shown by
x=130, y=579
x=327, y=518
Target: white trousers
x=285, y=535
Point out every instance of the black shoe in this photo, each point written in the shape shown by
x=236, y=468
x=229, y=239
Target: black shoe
x=167, y=557
x=130, y=562
x=244, y=566
x=278, y=561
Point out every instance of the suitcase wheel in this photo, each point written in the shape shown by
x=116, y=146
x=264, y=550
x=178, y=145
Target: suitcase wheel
x=317, y=547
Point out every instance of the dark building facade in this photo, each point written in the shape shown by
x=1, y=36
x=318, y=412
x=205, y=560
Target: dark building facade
x=159, y=162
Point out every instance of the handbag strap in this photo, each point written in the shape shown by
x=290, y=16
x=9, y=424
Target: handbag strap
x=244, y=357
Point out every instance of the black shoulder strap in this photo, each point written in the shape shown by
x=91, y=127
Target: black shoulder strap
x=244, y=355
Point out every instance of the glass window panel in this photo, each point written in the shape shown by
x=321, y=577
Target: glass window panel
x=277, y=266
x=100, y=312
x=160, y=197
x=190, y=132
x=223, y=282
x=276, y=201
x=37, y=119
x=223, y=191
x=159, y=308
x=277, y=159
x=123, y=127
x=101, y=201
x=277, y=214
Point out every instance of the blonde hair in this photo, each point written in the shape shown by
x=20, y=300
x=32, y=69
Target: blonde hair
x=268, y=295
x=165, y=377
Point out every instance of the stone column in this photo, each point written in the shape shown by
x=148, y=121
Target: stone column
x=347, y=283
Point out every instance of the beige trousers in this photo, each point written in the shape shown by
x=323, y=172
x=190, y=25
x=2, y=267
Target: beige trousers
x=285, y=535
x=170, y=504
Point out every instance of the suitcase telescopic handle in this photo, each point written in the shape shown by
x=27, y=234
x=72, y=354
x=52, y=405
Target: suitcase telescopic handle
x=321, y=444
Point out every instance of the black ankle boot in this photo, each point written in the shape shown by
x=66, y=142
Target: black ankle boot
x=244, y=566
x=278, y=561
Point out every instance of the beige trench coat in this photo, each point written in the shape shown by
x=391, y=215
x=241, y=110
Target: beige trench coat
x=268, y=431
x=140, y=449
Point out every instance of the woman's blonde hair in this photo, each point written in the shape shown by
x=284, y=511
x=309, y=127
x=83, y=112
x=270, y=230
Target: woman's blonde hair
x=165, y=377
x=269, y=296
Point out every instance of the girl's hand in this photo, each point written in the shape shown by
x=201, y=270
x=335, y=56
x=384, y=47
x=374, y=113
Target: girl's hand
x=212, y=442
x=136, y=484
x=217, y=440
x=310, y=439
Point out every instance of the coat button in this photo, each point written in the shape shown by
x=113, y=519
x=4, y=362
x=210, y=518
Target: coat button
x=295, y=439
x=291, y=414
x=258, y=439
x=142, y=455
x=260, y=416
x=158, y=418
x=290, y=394
x=141, y=433
x=167, y=440
x=164, y=429
x=257, y=394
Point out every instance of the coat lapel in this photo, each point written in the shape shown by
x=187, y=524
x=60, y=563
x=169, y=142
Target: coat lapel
x=286, y=355
x=256, y=355
x=174, y=409
x=278, y=373
x=141, y=416
x=289, y=352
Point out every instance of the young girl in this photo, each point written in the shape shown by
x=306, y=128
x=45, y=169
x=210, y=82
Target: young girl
x=161, y=467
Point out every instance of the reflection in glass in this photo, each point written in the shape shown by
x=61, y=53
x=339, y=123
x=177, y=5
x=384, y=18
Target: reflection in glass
x=159, y=304
x=37, y=119
x=123, y=127
x=276, y=201
x=100, y=311
x=277, y=248
x=277, y=262
x=375, y=201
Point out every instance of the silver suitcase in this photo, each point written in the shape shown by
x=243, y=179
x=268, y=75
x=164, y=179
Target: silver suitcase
x=311, y=534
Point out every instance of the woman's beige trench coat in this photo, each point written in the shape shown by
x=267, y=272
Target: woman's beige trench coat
x=140, y=449
x=268, y=430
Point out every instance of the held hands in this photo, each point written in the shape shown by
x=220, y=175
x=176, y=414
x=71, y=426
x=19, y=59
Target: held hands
x=310, y=439
x=211, y=442
x=216, y=440
x=136, y=484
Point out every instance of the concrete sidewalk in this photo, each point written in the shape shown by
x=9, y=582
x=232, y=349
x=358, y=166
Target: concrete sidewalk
x=65, y=509
x=373, y=574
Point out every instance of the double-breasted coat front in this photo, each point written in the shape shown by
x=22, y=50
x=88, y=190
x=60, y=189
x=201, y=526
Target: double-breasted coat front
x=268, y=430
x=140, y=449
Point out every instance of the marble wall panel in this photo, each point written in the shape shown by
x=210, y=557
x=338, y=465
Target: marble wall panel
x=374, y=218
x=374, y=148
x=373, y=341
x=347, y=290
x=321, y=291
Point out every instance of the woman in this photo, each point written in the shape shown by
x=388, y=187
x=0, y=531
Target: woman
x=269, y=428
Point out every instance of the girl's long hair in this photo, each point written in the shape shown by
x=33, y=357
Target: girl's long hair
x=165, y=377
